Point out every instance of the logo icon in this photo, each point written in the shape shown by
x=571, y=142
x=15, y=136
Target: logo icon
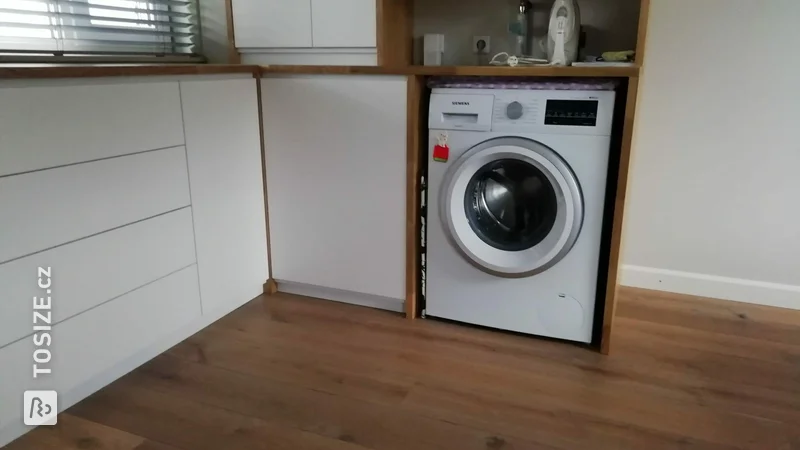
x=41, y=407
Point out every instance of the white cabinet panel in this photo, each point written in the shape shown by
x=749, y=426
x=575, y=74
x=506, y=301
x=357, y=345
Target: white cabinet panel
x=224, y=150
x=91, y=271
x=90, y=344
x=344, y=23
x=336, y=149
x=51, y=207
x=48, y=126
x=272, y=23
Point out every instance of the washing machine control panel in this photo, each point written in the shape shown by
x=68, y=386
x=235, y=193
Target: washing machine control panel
x=522, y=111
x=558, y=112
x=516, y=110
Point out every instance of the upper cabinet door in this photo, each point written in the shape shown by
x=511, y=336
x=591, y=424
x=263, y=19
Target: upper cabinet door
x=344, y=23
x=272, y=23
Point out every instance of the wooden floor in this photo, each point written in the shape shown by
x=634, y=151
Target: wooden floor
x=287, y=372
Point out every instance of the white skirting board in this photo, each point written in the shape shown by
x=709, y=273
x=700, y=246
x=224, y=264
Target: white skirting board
x=702, y=285
x=339, y=295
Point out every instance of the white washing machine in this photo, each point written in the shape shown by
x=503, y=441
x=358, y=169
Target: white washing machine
x=515, y=208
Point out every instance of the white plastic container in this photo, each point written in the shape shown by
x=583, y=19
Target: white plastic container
x=433, y=49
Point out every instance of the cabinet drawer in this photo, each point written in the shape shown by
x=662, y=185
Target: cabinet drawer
x=52, y=207
x=91, y=271
x=87, y=347
x=49, y=126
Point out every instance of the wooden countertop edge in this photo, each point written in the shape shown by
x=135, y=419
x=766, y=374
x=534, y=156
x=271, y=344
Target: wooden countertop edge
x=631, y=71
x=81, y=71
x=12, y=72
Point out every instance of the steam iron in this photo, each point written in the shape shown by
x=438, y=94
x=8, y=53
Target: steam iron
x=564, y=32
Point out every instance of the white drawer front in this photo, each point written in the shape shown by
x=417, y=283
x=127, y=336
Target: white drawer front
x=51, y=207
x=95, y=342
x=91, y=271
x=49, y=126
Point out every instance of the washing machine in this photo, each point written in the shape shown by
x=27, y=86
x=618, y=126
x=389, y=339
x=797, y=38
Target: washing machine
x=515, y=201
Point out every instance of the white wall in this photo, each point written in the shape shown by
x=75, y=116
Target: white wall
x=714, y=201
x=609, y=25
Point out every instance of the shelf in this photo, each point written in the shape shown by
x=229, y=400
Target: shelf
x=56, y=71
x=494, y=71
x=122, y=70
x=528, y=71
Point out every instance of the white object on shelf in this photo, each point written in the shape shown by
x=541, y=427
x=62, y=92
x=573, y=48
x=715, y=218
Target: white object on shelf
x=434, y=49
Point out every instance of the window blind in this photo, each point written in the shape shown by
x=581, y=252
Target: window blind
x=88, y=30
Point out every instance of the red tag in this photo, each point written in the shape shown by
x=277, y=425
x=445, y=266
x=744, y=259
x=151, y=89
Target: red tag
x=441, y=153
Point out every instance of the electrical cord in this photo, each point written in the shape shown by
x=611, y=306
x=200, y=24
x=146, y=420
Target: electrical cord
x=513, y=61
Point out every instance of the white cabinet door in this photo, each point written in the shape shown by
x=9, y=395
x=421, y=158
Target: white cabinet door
x=90, y=271
x=336, y=174
x=98, y=346
x=49, y=126
x=272, y=23
x=344, y=23
x=224, y=149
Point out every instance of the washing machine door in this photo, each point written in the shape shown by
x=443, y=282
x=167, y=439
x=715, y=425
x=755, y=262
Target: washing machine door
x=512, y=206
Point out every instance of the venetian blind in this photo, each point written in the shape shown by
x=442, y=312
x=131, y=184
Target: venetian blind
x=115, y=30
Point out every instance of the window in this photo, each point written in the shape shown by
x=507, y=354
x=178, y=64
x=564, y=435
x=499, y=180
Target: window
x=105, y=30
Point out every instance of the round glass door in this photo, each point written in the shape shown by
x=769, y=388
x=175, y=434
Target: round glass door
x=512, y=206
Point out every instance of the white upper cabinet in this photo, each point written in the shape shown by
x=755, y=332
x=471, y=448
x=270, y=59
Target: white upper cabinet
x=343, y=23
x=306, y=32
x=272, y=23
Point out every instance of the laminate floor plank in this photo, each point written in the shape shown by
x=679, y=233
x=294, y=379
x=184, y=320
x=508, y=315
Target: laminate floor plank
x=367, y=424
x=621, y=376
x=289, y=372
x=73, y=433
x=174, y=420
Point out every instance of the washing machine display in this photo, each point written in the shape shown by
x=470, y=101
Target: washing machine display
x=512, y=206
